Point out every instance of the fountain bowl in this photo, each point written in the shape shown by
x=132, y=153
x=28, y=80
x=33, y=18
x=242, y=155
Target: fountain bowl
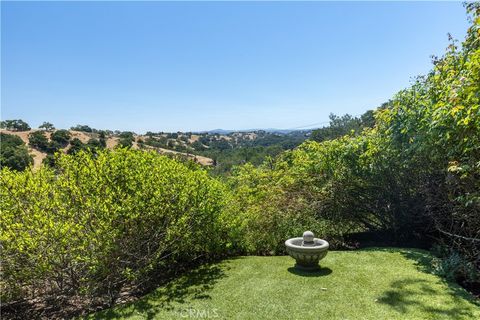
x=307, y=251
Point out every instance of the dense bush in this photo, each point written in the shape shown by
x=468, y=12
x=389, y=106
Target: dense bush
x=62, y=137
x=451, y=265
x=433, y=129
x=316, y=186
x=93, y=143
x=100, y=223
x=340, y=126
x=83, y=128
x=38, y=140
x=14, y=153
x=76, y=145
x=267, y=212
x=126, y=139
x=102, y=138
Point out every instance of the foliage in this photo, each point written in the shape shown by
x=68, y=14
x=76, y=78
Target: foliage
x=344, y=125
x=102, y=138
x=416, y=174
x=158, y=142
x=62, y=137
x=38, y=140
x=198, y=146
x=75, y=146
x=126, y=139
x=47, y=126
x=452, y=266
x=83, y=128
x=434, y=129
x=95, y=144
x=13, y=152
x=49, y=160
x=14, y=125
x=101, y=222
x=265, y=215
x=242, y=148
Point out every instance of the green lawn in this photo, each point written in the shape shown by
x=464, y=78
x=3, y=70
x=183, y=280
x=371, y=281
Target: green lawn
x=363, y=284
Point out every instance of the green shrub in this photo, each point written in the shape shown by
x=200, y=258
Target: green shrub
x=126, y=139
x=270, y=209
x=452, y=266
x=76, y=145
x=38, y=140
x=14, y=153
x=99, y=223
x=62, y=137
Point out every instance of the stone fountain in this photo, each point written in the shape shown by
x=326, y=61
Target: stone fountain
x=307, y=251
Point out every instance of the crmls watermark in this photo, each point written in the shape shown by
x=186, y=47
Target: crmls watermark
x=197, y=313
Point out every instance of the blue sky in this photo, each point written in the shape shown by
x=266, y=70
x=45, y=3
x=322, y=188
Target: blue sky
x=156, y=66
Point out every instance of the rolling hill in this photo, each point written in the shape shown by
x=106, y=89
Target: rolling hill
x=111, y=142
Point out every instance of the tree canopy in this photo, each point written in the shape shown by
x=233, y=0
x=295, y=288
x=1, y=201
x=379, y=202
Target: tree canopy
x=14, y=125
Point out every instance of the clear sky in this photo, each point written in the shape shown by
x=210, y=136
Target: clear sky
x=157, y=66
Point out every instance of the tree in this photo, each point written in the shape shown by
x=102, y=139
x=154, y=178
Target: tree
x=83, y=128
x=204, y=140
x=62, y=137
x=14, y=153
x=52, y=147
x=75, y=146
x=198, y=146
x=94, y=144
x=38, y=140
x=49, y=160
x=172, y=135
x=126, y=139
x=343, y=125
x=15, y=125
x=221, y=145
x=47, y=126
x=103, y=139
x=170, y=144
x=141, y=143
x=367, y=119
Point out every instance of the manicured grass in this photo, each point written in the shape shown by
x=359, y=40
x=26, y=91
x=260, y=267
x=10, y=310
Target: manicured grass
x=364, y=284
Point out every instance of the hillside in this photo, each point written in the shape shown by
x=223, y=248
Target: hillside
x=222, y=151
x=111, y=142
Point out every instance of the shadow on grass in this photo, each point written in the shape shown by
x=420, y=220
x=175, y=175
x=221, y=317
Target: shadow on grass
x=194, y=285
x=317, y=273
x=409, y=293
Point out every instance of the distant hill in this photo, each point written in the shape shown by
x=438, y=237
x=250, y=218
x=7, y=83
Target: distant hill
x=269, y=130
x=111, y=142
x=219, y=148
